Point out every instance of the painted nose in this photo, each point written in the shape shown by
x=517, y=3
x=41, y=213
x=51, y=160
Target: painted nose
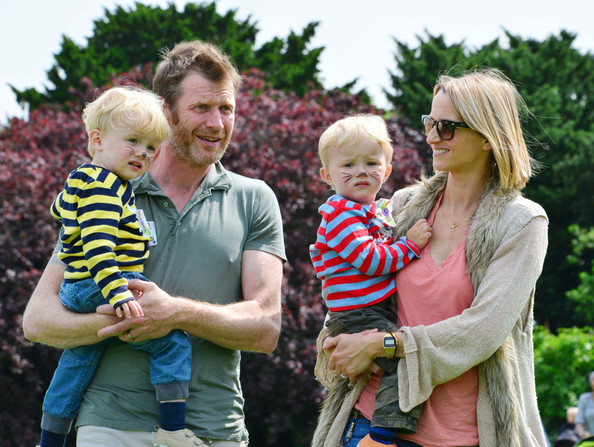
x=144, y=155
x=362, y=174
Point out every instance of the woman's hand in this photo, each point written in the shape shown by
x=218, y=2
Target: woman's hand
x=351, y=355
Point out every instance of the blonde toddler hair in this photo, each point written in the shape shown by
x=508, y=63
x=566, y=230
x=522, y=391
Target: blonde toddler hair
x=126, y=108
x=349, y=131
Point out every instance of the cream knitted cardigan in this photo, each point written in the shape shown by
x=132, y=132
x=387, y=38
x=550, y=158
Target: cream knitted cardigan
x=505, y=250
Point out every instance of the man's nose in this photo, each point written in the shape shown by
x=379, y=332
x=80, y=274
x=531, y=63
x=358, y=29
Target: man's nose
x=214, y=119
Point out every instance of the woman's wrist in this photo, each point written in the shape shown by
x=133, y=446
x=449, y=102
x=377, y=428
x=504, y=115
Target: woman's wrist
x=400, y=343
x=377, y=345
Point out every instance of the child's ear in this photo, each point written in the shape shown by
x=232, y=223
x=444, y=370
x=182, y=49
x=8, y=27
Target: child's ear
x=387, y=173
x=326, y=177
x=95, y=139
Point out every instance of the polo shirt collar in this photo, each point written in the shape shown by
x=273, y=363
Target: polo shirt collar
x=217, y=177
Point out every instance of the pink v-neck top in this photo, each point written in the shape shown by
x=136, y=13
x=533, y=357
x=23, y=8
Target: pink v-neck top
x=429, y=293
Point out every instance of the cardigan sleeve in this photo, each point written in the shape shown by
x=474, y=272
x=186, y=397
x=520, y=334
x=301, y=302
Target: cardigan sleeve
x=442, y=351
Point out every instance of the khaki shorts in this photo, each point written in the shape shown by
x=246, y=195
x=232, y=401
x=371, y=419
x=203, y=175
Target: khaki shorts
x=93, y=436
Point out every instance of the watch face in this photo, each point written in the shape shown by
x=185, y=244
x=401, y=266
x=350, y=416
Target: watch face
x=389, y=342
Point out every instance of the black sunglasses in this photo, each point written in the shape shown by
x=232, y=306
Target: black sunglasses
x=445, y=128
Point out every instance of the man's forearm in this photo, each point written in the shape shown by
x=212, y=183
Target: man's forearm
x=48, y=322
x=252, y=324
x=244, y=325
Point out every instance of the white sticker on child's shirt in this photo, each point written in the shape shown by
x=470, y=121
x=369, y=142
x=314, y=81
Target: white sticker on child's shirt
x=147, y=228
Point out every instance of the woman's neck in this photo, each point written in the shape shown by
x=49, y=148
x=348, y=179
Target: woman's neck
x=462, y=195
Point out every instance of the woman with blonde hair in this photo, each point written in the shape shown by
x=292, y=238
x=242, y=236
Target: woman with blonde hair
x=465, y=307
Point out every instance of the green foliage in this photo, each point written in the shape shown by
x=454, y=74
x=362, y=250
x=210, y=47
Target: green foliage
x=557, y=83
x=583, y=294
x=128, y=39
x=417, y=70
x=288, y=64
x=561, y=363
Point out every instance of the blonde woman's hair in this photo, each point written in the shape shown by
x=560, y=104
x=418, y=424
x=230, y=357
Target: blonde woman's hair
x=490, y=104
x=126, y=108
x=349, y=131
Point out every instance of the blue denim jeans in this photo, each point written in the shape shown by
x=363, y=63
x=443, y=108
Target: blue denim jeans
x=170, y=362
x=357, y=429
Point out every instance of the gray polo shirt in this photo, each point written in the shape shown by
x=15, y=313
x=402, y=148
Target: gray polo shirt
x=197, y=255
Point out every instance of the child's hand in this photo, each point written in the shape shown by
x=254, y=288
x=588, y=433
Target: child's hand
x=419, y=233
x=130, y=309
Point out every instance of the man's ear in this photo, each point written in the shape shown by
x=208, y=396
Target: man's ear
x=95, y=139
x=326, y=177
x=167, y=111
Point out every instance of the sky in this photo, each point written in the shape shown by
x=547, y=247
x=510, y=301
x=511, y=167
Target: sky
x=357, y=35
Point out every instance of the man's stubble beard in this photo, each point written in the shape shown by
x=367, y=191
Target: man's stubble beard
x=190, y=151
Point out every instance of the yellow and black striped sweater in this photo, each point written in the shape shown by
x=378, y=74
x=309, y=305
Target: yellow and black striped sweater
x=100, y=233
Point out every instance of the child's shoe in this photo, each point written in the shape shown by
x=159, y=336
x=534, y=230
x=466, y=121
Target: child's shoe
x=368, y=442
x=178, y=438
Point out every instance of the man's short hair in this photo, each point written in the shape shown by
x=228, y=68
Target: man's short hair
x=192, y=57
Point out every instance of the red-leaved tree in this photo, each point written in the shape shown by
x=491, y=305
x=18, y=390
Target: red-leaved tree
x=275, y=139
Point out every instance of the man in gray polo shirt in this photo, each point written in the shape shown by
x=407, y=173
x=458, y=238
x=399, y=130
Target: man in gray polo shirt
x=215, y=264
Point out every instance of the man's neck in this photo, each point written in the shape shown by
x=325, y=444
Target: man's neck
x=178, y=179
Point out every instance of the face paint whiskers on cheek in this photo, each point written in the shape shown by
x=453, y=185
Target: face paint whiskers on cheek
x=375, y=174
x=345, y=176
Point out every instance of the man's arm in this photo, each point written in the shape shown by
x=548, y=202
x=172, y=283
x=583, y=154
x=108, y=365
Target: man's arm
x=252, y=324
x=48, y=322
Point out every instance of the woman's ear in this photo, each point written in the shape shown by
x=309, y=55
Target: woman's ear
x=487, y=145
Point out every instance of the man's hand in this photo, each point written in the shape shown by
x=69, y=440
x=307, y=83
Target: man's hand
x=157, y=307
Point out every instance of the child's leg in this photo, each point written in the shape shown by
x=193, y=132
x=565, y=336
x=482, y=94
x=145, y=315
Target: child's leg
x=171, y=363
x=62, y=400
x=388, y=418
x=173, y=415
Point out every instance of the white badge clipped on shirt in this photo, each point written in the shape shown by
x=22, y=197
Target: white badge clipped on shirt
x=383, y=211
x=147, y=228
